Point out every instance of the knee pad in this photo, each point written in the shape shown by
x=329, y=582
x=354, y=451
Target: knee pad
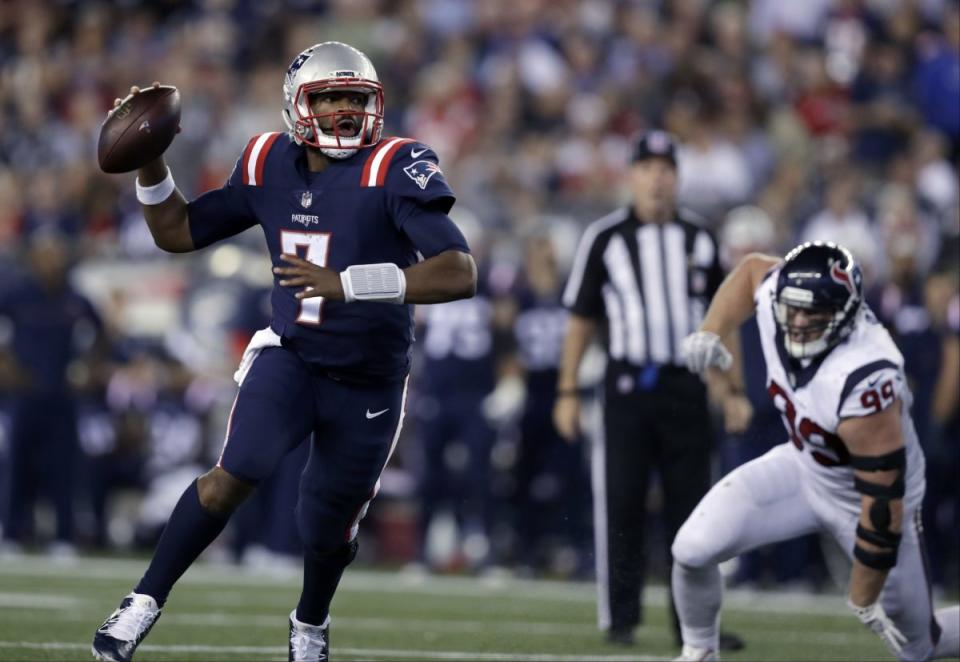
x=691, y=548
x=340, y=558
x=324, y=530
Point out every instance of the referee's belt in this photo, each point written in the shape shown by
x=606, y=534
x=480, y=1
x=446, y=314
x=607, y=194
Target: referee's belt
x=626, y=378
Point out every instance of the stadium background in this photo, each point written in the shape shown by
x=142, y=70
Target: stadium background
x=828, y=119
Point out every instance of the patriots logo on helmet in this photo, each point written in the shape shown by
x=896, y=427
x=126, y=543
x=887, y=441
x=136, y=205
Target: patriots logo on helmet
x=298, y=62
x=421, y=172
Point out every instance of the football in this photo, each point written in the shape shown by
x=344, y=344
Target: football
x=139, y=130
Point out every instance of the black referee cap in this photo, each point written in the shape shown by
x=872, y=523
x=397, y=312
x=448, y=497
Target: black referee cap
x=655, y=144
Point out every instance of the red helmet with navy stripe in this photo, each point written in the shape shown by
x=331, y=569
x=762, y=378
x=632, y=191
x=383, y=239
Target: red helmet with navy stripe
x=818, y=297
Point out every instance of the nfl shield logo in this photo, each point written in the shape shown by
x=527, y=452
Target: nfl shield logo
x=306, y=199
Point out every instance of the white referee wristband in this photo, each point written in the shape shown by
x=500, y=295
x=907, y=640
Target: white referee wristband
x=383, y=282
x=154, y=195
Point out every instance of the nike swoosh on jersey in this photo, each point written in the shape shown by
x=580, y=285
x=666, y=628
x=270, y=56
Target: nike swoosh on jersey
x=377, y=413
x=416, y=154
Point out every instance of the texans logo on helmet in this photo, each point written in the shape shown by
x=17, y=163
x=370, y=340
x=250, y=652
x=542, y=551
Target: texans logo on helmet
x=842, y=277
x=421, y=172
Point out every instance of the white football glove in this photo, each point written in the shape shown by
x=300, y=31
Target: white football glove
x=703, y=350
x=877, y=620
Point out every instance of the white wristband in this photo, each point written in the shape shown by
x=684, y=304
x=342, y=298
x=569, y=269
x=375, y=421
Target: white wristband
x=383, y=282
x=154, y=195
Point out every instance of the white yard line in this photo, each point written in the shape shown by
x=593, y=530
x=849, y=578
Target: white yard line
x=448, y=626
x=38, y=601
x=361, y=653
x=365, y=581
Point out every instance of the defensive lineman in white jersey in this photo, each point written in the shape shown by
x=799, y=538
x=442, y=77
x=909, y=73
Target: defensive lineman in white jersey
x=852, y=465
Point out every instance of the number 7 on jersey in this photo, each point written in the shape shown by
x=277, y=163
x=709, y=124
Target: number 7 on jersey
x=313, y=247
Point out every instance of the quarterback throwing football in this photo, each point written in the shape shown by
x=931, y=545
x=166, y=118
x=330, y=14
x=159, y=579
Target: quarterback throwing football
x=852, y=466
x=357, y=228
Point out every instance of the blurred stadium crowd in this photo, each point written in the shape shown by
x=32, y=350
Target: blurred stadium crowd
x=821, y=119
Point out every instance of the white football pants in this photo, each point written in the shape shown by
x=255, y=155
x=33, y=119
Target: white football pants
x=769, y=500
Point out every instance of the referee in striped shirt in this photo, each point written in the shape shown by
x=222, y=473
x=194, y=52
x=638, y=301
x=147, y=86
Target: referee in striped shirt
x=644, y=276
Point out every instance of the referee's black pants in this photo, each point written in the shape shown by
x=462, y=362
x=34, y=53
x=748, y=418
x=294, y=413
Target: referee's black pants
x=654, y=418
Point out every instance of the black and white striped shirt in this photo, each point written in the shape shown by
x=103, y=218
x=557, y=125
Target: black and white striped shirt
x=649, y=283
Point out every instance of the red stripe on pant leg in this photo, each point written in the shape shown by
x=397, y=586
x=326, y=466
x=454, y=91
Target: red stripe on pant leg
x=246, y=159
x=262, y=157
x=226, y=437
x=385, y=164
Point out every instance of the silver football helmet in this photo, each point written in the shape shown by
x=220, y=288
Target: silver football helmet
x=324, y=67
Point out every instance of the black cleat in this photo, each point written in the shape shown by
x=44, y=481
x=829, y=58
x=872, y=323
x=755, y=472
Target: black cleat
x=731, y=642
x=620, y=636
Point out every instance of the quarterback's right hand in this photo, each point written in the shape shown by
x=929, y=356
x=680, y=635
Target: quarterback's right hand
x=703, y=350
x=877, y=620
x=133, y=90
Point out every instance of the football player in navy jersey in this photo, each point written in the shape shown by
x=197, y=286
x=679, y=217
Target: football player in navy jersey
x=553, y=492
x=357, y=228
x=457, y=373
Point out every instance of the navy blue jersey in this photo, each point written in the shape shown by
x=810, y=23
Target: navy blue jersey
x=386, y=203
x=47, y=330
x=539, y=330
x=458, y=346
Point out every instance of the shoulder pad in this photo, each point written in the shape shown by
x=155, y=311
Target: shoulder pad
x=250, y=167
x=408, y=169
x=764, y=292
x=869, y=389
x=379, y=160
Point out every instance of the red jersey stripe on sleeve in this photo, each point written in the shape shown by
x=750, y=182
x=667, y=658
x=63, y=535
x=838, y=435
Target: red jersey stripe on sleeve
x=245, y=159
x=385, y=164
x=262, y=156
x=375, y=160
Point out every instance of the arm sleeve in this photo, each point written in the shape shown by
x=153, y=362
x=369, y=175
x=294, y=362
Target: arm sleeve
x=583, y=294
x=222, y=212
x=870, y=389
x=429, y=228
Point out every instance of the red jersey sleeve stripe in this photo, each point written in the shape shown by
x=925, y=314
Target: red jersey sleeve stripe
x=385, y=164
x=261, y=156
x=246, y=159
x=371, y=169
x=371, y=157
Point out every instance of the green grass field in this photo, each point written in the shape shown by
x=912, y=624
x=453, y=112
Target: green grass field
x=49, y=612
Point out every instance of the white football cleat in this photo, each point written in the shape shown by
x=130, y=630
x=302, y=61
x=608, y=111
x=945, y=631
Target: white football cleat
x=308, y=643
x=125, y=628
x=694, y=654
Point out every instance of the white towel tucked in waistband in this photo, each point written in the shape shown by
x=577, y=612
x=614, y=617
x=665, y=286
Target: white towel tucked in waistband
x=261, y=339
